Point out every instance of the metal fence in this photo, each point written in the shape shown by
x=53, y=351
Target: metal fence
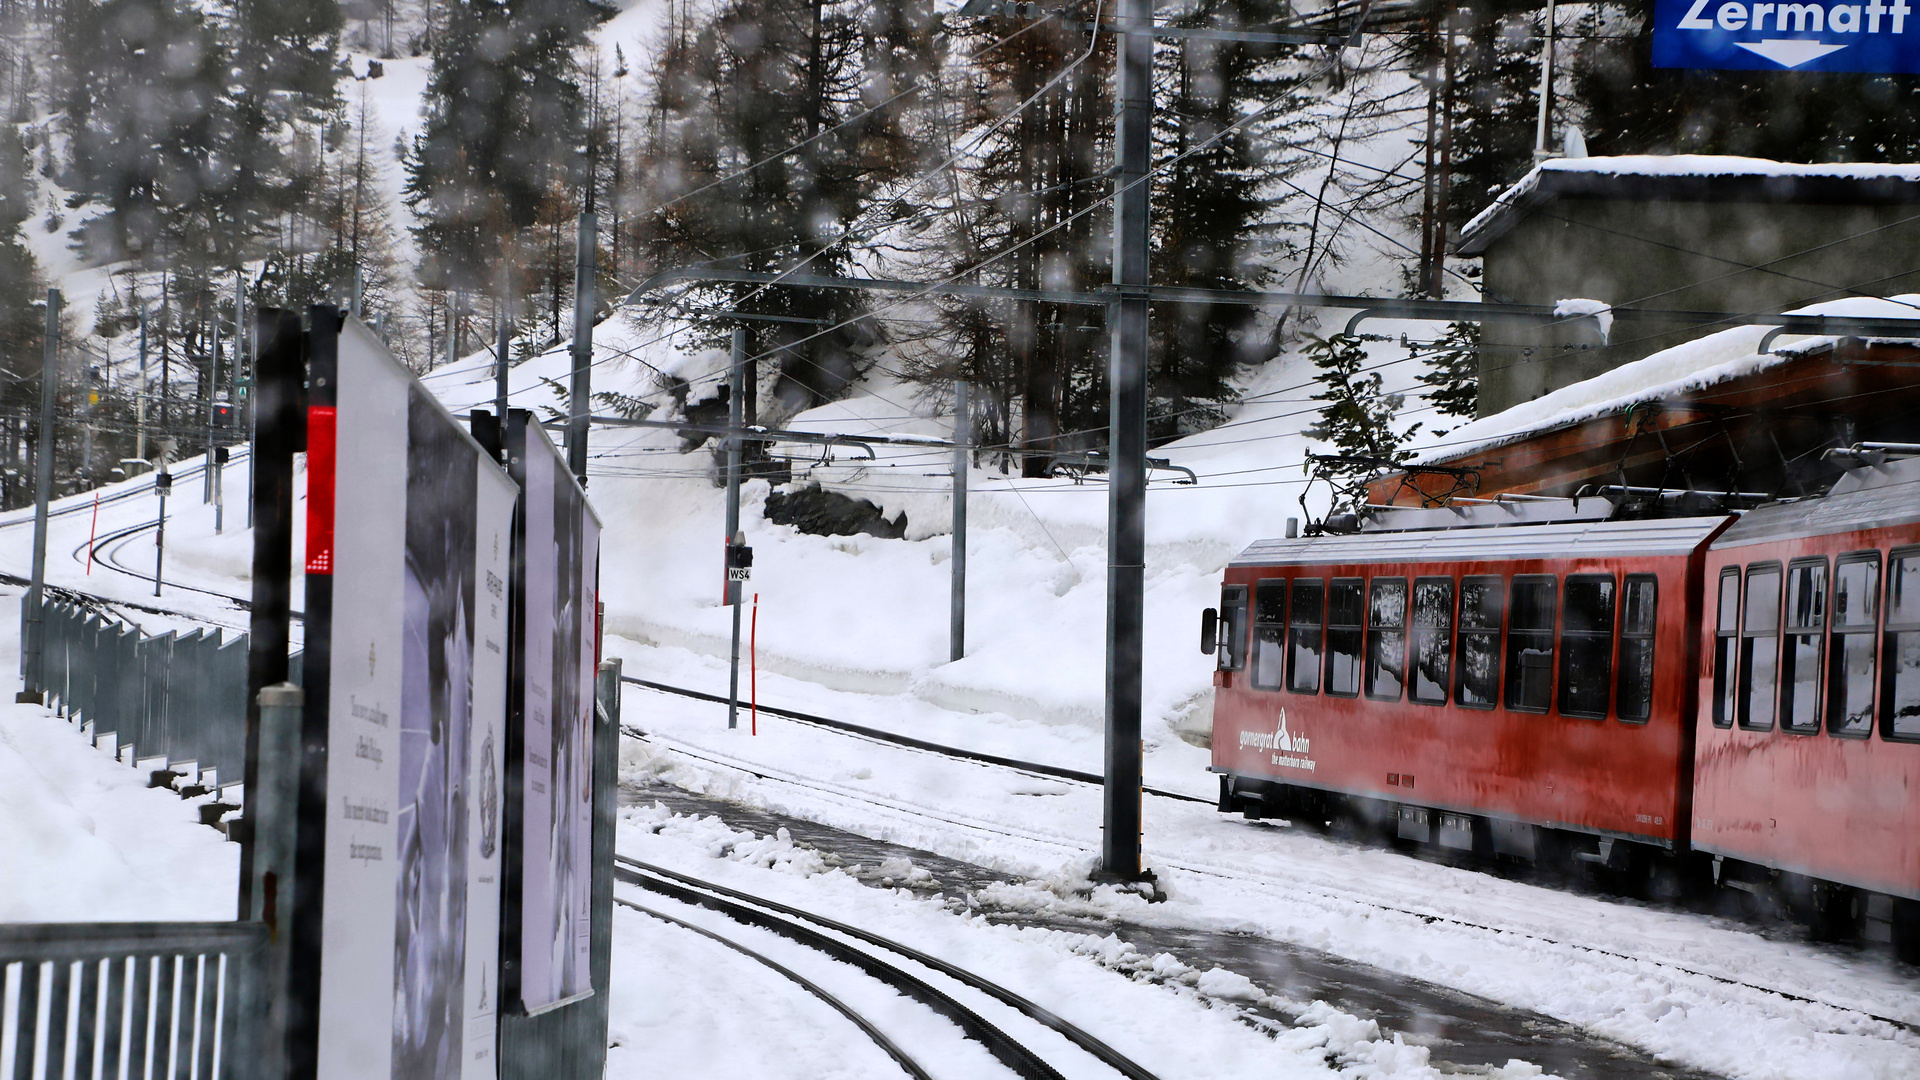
x=180, y=697
x=126, y=1000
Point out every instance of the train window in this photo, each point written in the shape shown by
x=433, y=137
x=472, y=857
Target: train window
x=1233, y=627
x=1586, y=646
x=1269, y=633
x=1850, y=669
x=1387, y=639
x=1760, y=646
x=1637, y=605
x=1900, y=696
x=1800, y=649
x=1304, y=635
x=1726, y=640
x=1530, y=645
x=1346, y=616
x=1432, y=656
x=1483, y=605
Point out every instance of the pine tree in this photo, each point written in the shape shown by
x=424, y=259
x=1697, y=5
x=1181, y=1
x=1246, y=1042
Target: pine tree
x=505, y=122
x=1358, y=416
x=139, y=92
x=752, y=80
x=1212, y=213
x=21, y=287
x=1454, y=372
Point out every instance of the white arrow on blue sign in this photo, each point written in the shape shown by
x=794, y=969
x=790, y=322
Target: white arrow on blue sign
x=1872, y=37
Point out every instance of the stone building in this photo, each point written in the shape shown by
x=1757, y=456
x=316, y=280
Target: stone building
x=1686, y=234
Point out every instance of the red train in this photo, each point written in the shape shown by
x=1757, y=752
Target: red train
x=1727, y=699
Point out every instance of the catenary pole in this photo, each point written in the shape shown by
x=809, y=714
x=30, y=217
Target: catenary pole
x=42, y=494
x=578, y=398
x=962, y=441
x=736, y=406
x=1127, y=446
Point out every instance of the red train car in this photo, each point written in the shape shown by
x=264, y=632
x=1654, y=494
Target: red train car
x=1483, y=688
x=1807, y=742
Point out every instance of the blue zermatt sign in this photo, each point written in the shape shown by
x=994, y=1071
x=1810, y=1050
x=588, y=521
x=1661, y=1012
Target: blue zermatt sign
x=1878, y=36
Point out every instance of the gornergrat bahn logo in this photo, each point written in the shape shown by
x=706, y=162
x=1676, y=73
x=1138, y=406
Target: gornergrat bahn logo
x=1287, y=750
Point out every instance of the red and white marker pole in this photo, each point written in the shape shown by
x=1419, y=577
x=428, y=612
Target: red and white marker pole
x=93, y=531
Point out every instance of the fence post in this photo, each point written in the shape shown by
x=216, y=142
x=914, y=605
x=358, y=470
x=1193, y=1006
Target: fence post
x=271, y=841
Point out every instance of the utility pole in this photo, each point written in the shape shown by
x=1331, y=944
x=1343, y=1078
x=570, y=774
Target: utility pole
x=736, y=400
x=1127, y=445
x=35, y=628
x=213, y=381
x=578, y=404
x=1540, y=130
x=962, y=445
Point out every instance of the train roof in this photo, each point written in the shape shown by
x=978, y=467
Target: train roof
x=1870, y=497
x=1585, y=539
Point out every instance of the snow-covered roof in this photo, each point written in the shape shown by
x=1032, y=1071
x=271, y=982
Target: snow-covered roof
x=1686, y=368
x=1690, y=177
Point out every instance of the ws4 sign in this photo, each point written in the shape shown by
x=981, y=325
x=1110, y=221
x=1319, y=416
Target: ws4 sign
x=1813, y=36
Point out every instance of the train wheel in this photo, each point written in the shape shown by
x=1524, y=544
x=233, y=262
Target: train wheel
x=1906, y=930
x=1836, y=912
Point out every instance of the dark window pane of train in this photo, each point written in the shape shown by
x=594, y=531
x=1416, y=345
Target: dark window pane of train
x=1800, y=652
x=1586, y=646
x=1432, y=640
x=1483, y=605
x=1638, y=604
x=1725, y=642
x=1760, y=647
x=1900, y=698
x=1850, y=670
x=1346, y=615
x=1530, y=645
x=1387, y=639
x=1269, y=633
x=1233, y=627
x=1304, y=635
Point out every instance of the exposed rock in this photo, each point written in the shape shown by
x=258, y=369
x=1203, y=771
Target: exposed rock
x=819, y=512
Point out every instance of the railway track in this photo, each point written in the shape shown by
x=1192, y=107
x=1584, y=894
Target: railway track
x=909, y=971
x=890, y=738
x=1844, y=1017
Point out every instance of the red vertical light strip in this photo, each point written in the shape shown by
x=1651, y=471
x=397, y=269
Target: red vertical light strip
x=321, y=446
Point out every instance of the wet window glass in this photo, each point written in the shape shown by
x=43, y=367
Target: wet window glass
x=1530, y=644
x=1726, y=641
x=1233, y=627
x=1800, y=649
x=1851, y=646
x=1346, y=615
x=1269, y=633
x=1638, y=603
x=1305, y=636
x=1900, y=697
x=1760, y=647
x=1586, y=646
x=1483, y=606
x=1432, y=641
x=1387, y=639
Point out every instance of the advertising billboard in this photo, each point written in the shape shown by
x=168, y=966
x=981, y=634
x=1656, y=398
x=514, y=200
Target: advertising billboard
x=556, y=584
x=408, y=559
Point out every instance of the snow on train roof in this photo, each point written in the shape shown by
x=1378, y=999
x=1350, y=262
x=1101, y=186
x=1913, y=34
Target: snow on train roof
x=1597, y=539
x=1866, y=498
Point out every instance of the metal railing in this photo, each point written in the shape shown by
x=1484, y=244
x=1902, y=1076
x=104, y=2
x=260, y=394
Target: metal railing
x=126, y=1000
x=179, y=697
